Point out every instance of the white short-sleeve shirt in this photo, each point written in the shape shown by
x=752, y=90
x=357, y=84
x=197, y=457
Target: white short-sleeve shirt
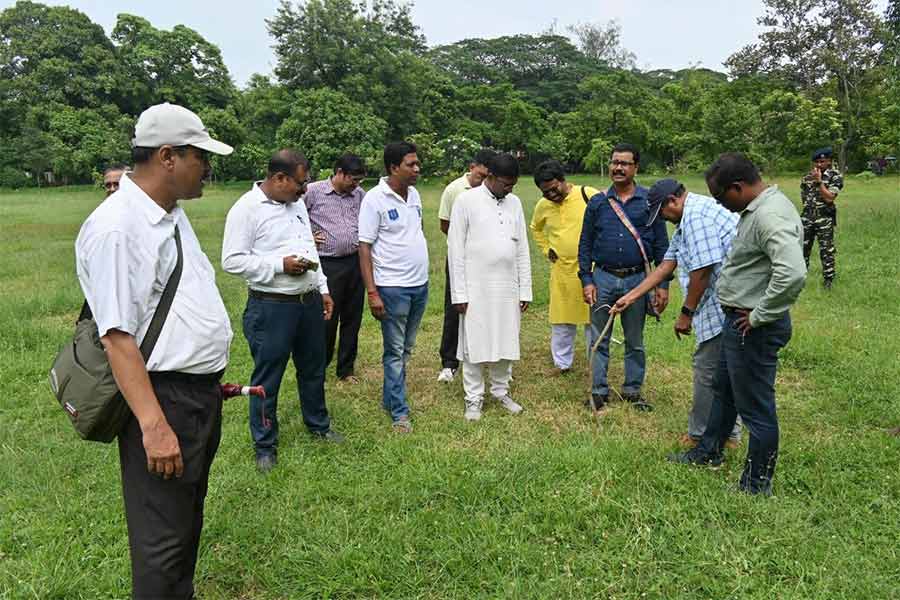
x=394, y=229
x=124, y=255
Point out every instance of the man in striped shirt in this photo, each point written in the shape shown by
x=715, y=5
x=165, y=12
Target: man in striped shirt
x=333, y=206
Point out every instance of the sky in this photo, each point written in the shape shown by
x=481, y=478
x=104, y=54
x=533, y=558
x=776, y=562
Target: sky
x=664, y=34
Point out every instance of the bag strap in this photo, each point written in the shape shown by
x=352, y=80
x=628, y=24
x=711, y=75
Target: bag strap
x=162, y=309
x=631, y=229
x=584, y=195
x=165, y=303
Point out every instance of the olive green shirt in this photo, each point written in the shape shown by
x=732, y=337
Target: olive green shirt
x=765, y=270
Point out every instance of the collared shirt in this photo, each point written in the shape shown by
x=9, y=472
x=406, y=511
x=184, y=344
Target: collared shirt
x=335, y=214
x=765, y=269
x=124, y=256
x=605, y=241
x=451, y=193
x=259, y=233
x=703, y=239
x=813, y=204
x=393, y=226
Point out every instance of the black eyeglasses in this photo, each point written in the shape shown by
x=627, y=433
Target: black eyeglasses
x=622, y=163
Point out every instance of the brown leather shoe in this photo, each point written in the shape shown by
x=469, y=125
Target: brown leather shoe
x=557, y=372
x=731, y=444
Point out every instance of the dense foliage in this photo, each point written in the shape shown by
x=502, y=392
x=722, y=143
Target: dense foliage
x=351, y=75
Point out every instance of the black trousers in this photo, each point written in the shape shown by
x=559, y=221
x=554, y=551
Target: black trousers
x=165, y=517
x=346, y=287
x=450, y=333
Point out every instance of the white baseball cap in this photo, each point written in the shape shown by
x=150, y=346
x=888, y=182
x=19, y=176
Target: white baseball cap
x=173, y=125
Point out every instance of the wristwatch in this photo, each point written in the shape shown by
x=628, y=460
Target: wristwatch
x=690, y=312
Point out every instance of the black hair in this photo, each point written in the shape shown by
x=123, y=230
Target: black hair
x=394, y=153
x=504, y=165
x=548, y=171
x=350, y=164
x=115, y=167
x=732, y=167
x=142, y=154
x=483, y=157
x=625, y=147
x=286, y=161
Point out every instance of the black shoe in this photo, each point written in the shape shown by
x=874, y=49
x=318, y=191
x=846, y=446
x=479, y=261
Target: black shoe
x=266, y=462
x=597, y=402
x=827, y=285
x=637, y=402
x=329, y=436
x=697, y=457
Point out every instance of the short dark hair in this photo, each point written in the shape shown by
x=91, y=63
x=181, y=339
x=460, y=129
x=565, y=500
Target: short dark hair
x=115, y=167
x=548, y=171
x=142, y=154
x=394, y=153
x=504, y=165
x=730, y=168
x=286, y=161
x=350, y=164
x=483, y=157
x=626, y=147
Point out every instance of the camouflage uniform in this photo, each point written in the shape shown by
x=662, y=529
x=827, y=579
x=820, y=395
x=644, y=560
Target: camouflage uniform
x=820, y=218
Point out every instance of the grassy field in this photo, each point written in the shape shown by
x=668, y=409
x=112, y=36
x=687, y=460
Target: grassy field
x=537, y=506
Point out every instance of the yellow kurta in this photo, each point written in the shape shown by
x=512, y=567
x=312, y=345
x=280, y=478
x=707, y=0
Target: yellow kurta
x=558, y=226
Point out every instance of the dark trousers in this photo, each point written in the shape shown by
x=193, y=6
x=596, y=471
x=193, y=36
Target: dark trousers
x=450, y=333
x=745, y=386
x=346, y=287
x=275, y=332
x=165, y=517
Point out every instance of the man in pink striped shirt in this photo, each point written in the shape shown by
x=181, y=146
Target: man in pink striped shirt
x=333, y=207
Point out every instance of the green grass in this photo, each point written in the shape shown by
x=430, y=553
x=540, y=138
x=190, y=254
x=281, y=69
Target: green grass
x=539, y=506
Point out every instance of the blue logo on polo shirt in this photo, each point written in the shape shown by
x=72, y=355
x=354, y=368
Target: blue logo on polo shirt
x=393, y=215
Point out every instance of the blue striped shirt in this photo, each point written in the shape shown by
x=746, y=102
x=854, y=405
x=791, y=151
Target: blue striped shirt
x=703, y=238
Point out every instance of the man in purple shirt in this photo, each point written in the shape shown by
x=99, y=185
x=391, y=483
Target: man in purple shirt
x=333, y=206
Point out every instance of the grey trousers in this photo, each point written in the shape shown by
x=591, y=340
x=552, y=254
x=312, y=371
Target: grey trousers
x=706, y=360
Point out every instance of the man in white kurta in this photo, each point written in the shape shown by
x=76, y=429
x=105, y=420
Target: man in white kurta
x=490, y=281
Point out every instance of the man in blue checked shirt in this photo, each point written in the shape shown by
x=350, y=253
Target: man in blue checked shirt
x=699, y=246
x=611, y=262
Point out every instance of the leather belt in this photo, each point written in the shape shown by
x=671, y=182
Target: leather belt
x=188, y=378
x=291, y=298
x=733, y=309
x=623, y=272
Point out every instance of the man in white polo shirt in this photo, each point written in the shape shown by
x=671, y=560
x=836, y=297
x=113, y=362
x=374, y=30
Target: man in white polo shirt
x=125, y=253
x=269, y=242
x=393, y=258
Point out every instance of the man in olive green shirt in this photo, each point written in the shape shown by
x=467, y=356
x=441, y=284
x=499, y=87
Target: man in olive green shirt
x=760, y=280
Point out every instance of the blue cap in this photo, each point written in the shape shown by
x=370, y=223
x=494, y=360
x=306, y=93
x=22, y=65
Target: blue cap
x=822, y=153
x=659, y=193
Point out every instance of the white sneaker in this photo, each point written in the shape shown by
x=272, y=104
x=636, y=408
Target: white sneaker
x=446, y=375
x=509, y=404
x=473, y=410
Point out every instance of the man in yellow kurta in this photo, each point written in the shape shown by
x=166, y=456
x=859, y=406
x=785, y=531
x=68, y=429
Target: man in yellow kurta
x=556, y=227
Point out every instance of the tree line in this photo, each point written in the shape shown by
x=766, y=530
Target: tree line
x=351, y=75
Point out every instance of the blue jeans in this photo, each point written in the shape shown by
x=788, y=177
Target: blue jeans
x=275, y=332
x=404, y=307
x=745, y=386
x=609, y=289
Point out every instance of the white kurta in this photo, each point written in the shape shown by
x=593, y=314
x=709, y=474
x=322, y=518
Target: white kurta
x=490, y=269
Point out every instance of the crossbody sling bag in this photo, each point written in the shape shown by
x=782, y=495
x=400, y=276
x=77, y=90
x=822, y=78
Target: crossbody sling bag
x=82, y=379
x=637, y=238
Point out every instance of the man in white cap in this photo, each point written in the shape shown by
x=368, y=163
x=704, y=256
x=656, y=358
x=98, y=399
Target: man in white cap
x=126, y=252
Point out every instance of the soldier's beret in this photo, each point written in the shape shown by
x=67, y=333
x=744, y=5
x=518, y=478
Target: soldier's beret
x=822, y=153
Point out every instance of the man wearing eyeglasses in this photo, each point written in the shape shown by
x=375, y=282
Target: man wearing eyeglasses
x=126, y=252
x=269, y=242
x=333, y=207
x=556, y=227
x=618, y=238
x=111, y=176
x=760, y=280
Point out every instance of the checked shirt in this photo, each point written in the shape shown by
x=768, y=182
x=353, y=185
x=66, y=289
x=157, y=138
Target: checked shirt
x=703, y=238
